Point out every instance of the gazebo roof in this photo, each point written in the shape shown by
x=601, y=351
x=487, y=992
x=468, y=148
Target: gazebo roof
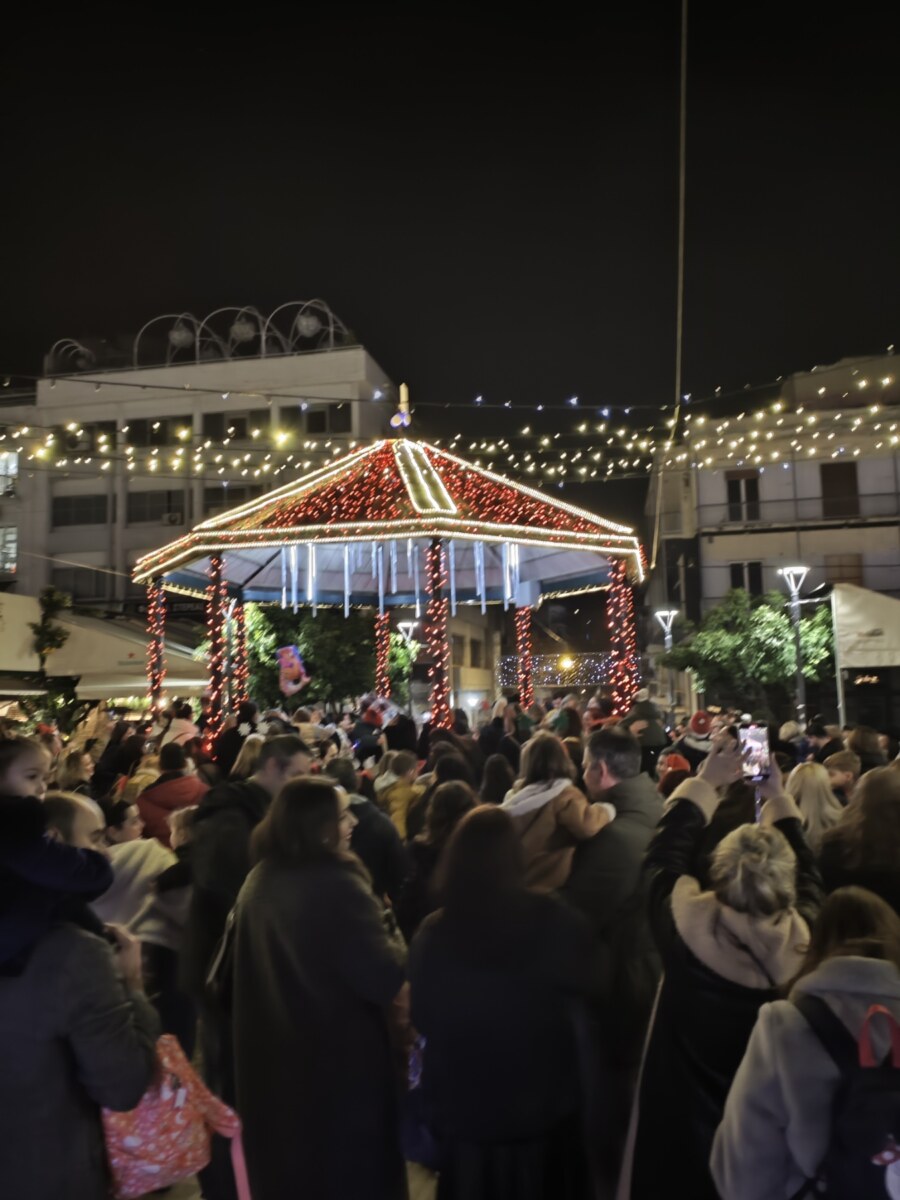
x=397, y=492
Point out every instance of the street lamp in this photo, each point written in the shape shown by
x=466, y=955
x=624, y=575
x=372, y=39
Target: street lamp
x=666, y=618
x=406, y=632
x=794, y=577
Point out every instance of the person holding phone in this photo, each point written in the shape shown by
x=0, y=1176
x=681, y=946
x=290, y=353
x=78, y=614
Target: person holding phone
x=726, y=950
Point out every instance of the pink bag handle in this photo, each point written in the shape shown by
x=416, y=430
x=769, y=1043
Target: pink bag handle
x=866, y=1056
x=239, y=1166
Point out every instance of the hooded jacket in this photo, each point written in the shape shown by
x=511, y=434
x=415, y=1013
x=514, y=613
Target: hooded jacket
x=136, y=867
x=396, y=795
x=720, y=967
x=551, y=818
x=776, y=1126
x=223, y=823
x=171, y=791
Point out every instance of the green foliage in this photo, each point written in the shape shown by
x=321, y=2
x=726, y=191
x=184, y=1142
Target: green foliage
x=48, y=635
x=743, y=652
x=338, y=653
x=401, y=657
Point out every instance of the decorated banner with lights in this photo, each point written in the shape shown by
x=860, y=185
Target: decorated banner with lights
x=382, y=653
x=240, y=668
x=620, y=623
x=156, y=630
x=216, y=616
x=525, y=674
x=437, y=614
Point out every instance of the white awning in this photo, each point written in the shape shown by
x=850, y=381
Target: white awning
x=866, y=627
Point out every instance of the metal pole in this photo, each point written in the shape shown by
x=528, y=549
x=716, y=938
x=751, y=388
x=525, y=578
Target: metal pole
x=801, y=682
x=838, y=673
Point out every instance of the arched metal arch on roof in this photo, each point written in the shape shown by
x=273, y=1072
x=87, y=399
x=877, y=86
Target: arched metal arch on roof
x=355, y=532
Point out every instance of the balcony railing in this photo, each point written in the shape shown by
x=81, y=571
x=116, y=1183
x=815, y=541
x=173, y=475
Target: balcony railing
x=801, y=509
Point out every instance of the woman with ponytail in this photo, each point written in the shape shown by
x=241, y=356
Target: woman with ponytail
x=725, y=951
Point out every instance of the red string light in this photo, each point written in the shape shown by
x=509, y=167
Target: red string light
x=437, y=615
x=622, y=638
x=240, y=667
x=156, y=655
x=216, y=599
x=382, y=653
x=524, y=657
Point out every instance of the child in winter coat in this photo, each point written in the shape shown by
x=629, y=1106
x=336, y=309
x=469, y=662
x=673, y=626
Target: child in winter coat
x=550, y=814
x=37, y=873
x=396, y=788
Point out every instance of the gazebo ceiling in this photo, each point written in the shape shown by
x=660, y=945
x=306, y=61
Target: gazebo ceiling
x=355, y=531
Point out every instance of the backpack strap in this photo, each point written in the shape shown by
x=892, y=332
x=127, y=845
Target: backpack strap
x=830, y=1030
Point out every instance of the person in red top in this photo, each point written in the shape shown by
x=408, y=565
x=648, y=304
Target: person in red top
x=177, y=787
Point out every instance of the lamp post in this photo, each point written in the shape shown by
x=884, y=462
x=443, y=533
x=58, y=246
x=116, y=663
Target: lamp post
x=666, y=618
x=406, y=632
x=794, y=577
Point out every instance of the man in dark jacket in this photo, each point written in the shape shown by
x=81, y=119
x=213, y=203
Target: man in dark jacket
x=223, y=823
x=606, y=885
x=375, y=838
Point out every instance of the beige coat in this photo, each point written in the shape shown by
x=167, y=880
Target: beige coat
x=551, y=819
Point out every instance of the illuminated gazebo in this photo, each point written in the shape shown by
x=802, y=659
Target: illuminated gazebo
x=397, y=523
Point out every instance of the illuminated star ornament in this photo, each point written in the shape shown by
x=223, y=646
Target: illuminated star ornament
x=401, y=523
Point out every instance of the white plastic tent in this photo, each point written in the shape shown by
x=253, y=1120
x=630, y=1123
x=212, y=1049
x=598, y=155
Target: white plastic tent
x=866, y=631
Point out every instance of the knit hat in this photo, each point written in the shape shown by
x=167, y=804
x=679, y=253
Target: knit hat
x=700, y=724
x=676, y=762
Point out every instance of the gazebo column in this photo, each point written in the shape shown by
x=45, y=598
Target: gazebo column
x=216, y=617
x=436, y=634
x=622, y=638
x=382, y=653
x=524, y=661
x=240, y=668
x=156, y=649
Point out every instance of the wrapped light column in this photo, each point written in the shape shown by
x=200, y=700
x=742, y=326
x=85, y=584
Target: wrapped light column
x=436, y=634
x=382, y=654
x=622, y=638
x=156, y=649
x=524, y=657
x=216, y=605
x=240, y=667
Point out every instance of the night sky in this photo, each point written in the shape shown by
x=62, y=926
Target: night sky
x=490, y=207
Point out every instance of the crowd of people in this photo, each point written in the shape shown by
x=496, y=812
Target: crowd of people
x=562, y=952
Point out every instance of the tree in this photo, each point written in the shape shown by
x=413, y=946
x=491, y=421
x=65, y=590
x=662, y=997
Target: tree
x=401, y=657
x=338, y=652
x=48, y=634
x=743, y=652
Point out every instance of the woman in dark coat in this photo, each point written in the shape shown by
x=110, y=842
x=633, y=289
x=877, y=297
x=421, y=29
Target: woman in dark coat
x=449, y=803
x=496, y=977
x=725, y=953
x=863, y=849
x=315, y=976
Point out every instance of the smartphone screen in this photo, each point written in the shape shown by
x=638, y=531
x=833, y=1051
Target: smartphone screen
x=754, y=740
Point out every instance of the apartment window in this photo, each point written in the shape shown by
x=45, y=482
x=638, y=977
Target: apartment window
x=158, y=507
x=80, y=510
x=165, y=431
x=747, y=575
x=844, y=568
x=220, y=499
x=317, y=420
x=840, y=489
x=340, y=418
x=476, y=652
x=238, y=426
x=9, y=545
x=459, y=650
x=743, y=495
x=9, y=470
x=81, y=583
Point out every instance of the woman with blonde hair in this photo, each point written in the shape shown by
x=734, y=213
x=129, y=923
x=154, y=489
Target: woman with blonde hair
x=725, y=951
x=810, y=785
x=863, y=848
x=245, y=763
x=550, y=814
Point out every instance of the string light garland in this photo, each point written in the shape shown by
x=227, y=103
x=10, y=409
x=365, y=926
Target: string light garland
x=240, y=667
x=382, y=654
x=620, y=624
x=437, y=614
x=156, y=629
x=216, y=601
x=586, y=671
x=525, y=675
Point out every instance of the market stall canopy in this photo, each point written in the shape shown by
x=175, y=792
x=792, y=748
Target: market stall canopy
x=107, y=658
x=356, y=532
x=866, y=627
